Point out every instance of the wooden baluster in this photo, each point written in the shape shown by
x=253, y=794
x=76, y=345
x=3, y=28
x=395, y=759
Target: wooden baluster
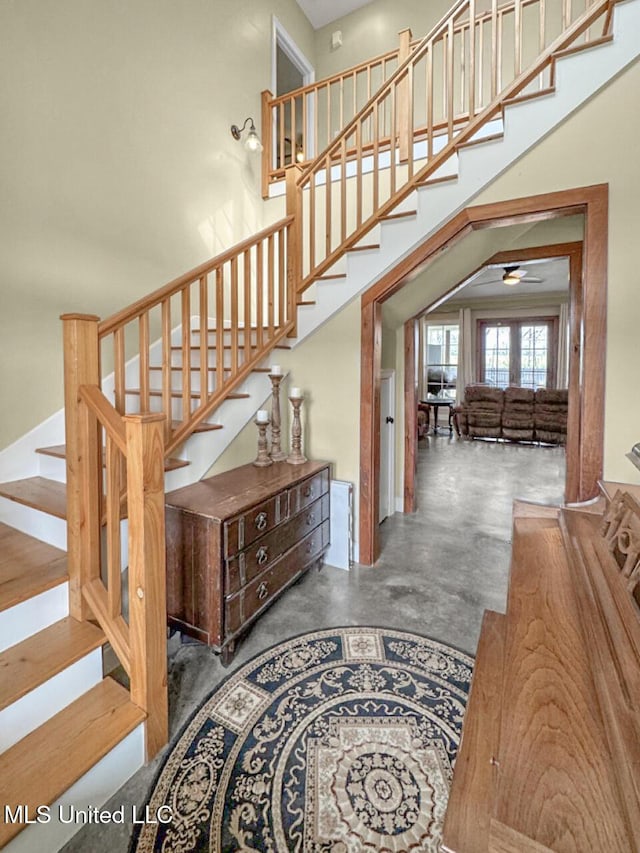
x=167, y=364
x=84, y=467
x=480, y=67
x=312, y=223
x=282, y=164
x=472, y=59
x=143, y=343
x=204, y=339
x=329, y=114
x=430, y=99
x=517, y=56
x=219, y=327
x=186, y=355
x=267, y=141
x=376, y=157
x=343, y=188
x=449, y=79
x=368, y=99
x=355, y=95
x=119, y=370
x=281, y=280
x=234, y=317
x=410, y=123
x=293, y=131
x=327, y=212
x=494, y=48
x=112, y=530
x=541, y=36
x=147, y=581
x=394, y=136
x=248, y=339
x=498, y=55
x=305, y=121
x=316, y=123
x=566, y=13
x=402, y=103
x=463, y=69
x=358, y=174
x=294, y=241
x=271, y=285
x=341, y=95
x=259, y=302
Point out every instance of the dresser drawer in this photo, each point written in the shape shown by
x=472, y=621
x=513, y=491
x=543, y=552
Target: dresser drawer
x=243, y=567
x=241, y=607
x=308, y=491
x=255, y=522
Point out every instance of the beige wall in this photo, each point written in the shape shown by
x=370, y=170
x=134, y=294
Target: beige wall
x=373, y=30
x=117, y=168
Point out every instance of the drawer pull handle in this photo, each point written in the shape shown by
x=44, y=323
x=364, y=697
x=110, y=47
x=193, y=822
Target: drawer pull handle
x=263, y=591
x=261, y=520
x=310, y=546
x=311, y=519
x=307, y=491
x=262, y=555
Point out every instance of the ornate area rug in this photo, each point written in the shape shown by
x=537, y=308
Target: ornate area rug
x=340, y=741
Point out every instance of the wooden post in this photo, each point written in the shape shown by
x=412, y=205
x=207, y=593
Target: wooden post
x=402, y=99
x=294, y=243
x=267, y=141
x=84, y=465
x=410, y=415
x=147, y=574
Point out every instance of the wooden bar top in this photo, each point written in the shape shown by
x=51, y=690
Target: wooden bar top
x=233, y=491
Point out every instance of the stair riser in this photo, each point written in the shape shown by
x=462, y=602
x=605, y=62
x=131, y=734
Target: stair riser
x=92, y=790
x=27, y=618
x=35, y=523
x=41, y=704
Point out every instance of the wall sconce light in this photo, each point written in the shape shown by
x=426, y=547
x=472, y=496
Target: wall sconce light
x=252, y=141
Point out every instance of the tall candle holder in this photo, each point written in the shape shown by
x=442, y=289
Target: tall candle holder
x=262, y=459
x=296, y=457
x=277, y=454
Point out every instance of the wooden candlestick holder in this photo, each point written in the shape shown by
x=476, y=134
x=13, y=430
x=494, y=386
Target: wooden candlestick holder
x=277, y=454
x=262, y=459
x=296, y=457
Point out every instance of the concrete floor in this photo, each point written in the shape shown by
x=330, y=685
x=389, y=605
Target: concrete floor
x=439, y=570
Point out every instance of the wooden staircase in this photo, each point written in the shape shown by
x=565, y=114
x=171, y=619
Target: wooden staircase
x=179, y=356
x=549, y=753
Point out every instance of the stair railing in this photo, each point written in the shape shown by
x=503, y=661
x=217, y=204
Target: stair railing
x=115, y=469
x=299, y=124
x=453, y=82
x=211, y=327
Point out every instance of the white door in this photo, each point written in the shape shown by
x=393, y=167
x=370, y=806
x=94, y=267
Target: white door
x=387, y=443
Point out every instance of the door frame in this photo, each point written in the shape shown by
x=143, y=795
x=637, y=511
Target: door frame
x=281, y=38
x=390, y=375
x=588, y=306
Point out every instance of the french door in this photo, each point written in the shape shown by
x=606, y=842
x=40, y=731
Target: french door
x=518, y=352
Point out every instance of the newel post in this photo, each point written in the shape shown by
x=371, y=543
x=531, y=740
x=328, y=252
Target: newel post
x=267, y=140
x=84, y=465
x=403, y=99
x=294, y=242
x=147, y=575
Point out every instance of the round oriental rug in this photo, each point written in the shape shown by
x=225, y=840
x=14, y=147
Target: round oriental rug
x=340, y=740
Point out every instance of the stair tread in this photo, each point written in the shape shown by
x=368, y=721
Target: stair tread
x=45, y=763
x=196, y=369
x=443, y=179
x=27, y=566
x=203, y=427
x=531, y=96
x=364, y=247
x=578, y=48
x=39, y=493
x=468, y=817
x=404, y=214
x=59, y=451
x=471, y=143
x=30, y=663
x=331, y=276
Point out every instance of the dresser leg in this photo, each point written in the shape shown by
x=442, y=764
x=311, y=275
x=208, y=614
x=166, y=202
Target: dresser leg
x=227, y=654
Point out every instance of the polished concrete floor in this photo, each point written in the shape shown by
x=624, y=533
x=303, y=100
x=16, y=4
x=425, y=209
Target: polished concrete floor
x=439, y=570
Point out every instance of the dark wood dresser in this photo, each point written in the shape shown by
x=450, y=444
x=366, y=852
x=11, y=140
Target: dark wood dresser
x=237, y=540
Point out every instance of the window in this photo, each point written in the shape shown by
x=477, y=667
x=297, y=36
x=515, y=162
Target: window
x=518, y=352
x=441, y=358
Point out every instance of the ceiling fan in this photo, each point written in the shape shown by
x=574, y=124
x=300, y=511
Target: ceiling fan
x=514, y=275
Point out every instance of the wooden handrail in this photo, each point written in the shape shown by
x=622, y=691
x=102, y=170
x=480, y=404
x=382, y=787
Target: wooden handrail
x=409, y=118
x=143, y=305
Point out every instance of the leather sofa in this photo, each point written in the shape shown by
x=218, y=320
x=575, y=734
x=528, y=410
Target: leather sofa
x=514, y=414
